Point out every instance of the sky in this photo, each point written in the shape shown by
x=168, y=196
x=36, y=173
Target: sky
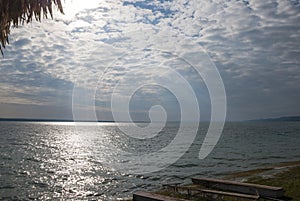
x=149, y=53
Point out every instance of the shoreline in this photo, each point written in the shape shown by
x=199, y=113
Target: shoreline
x=284, y=174
x=265, y=171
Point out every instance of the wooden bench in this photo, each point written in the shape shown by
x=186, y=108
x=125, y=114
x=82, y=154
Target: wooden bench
x=195, y=190
x=146, y=196
x=239, y=195
x=239, y=187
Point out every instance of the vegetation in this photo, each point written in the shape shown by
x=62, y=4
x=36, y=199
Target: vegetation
x=16, y=12
x=288, y=177
x=289, y=180
x=252, y=173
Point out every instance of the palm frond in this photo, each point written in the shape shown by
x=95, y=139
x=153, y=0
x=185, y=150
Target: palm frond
x=16, y=12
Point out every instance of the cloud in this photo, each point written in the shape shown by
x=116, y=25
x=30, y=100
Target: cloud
x=254, y=44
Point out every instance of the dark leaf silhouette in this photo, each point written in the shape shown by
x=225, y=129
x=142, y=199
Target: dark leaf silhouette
x=16, y=12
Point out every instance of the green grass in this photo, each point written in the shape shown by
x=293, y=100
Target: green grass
x=181, y=195
x=289, y=180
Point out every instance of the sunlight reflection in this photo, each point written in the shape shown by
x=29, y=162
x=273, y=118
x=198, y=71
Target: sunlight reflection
x=72, y=163
x=58, y=123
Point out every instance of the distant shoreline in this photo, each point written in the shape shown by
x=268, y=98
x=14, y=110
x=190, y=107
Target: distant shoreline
x=36, y=120
x=286, y=118
x=276, y=119
x=48, y=120
x=63, y=120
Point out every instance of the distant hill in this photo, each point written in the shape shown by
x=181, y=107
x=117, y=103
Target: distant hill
x=51, y=120
x=35, y=120
x=288, y=118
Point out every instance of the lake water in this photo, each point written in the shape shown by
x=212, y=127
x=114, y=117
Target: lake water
x=48, y=160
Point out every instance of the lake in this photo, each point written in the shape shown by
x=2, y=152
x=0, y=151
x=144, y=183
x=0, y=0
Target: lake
x=52, y=160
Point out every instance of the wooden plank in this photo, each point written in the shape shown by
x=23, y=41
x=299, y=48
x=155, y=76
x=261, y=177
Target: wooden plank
x=146, y=196
x=239, y=187
x=240, y=195
x=277, y=199
x=237, y=183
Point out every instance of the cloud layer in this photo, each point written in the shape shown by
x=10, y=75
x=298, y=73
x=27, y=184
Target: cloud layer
x=254, y=45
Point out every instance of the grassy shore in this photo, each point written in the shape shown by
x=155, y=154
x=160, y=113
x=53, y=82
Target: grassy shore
x=289, y=180
x=286, y=175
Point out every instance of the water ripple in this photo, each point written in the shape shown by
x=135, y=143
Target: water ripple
x=49, y=161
